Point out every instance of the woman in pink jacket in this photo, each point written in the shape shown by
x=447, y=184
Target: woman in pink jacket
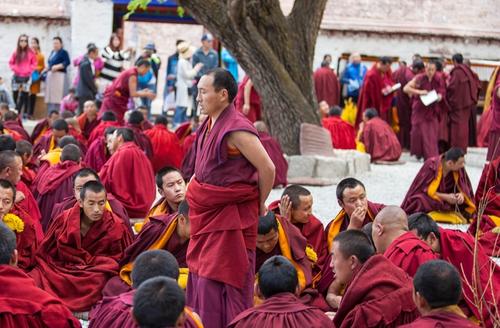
x=22, y=63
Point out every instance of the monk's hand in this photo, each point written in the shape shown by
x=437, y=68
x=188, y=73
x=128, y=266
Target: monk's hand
x=286, y=207
x=357, y=218
x=262, y=209
x=423, y=92
x=459, y=198
x=19, y=196
x=333, y=300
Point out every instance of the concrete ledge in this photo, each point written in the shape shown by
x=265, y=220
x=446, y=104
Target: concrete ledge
x=476, y=156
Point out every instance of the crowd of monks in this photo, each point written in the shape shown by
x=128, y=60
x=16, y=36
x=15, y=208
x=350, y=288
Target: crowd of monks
x=121, y=223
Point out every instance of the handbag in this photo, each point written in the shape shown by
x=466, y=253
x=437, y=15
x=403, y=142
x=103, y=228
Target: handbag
x=35, y=76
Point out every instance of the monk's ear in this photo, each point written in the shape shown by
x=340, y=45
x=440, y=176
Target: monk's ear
x=181, y=320
x=14, y=258
x=257, y=291
x=378, y=229
x=160, y=191
x=420, y=302
x=80, y=202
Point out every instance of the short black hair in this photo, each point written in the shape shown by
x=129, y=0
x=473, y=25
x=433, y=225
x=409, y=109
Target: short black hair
x=335, y=111
x=6, y=184
x=7, y=158
x=135, y=117
x=60, y=125
x=126, y=133
x=277, y=275
x=67, y=140
x=355, y=242
x=161, y=119
x=86, y=172
x=94, y=186
x=108, y=116
x=163, y=172
x=294, y=192
x=346, y=183
x=454, y=154
x=267, y=223
x=418, y=65
x=24, y=147
x=58, y=38
x=424, y=225
x=7, y=243
x=385, y=60
x=458, y=58
x=371, y=113
x=325, y=63
x=110, y=130
x=438, y=282
x=367, y=229
x=154, y=263
x=183, y=209
x=7, y=142
x=67, y=114
x=223, y=79
x=143, y=62
x=71, y=153
x=91, y=48
x=53, y=112
x=158, y=303
x=10, y=116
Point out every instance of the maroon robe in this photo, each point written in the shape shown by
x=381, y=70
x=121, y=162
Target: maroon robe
x=441, y=319
x=379, y=295
x=403, y=75
x=85, y=126
x=483, y=127
x=100, y=129
x=187, y=165
x=27, y=241
x=380, y=141
x=224, y=210
x=425, y=119
x=371, y=95
x=494, y=133
x=274, y=151
x=342, y=133
x=458, y=248
x=129, y=176
x=14, y=126
x=327, y=86
x=76, y=267
x=408, y=252
x=97, y=155
x=167, y=150
x=417, y=198
x=55, y=184
x=282, y=310
x=141, y=139
x=23, y=304
x=46, y=143
x=462, y=95
x=117, y=94
x=28, y=204
x=39, y=130
x=255, y=112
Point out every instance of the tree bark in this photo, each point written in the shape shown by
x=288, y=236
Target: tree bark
x=276, y=51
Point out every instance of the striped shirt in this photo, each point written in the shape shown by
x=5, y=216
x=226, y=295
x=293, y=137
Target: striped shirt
x=113, y=63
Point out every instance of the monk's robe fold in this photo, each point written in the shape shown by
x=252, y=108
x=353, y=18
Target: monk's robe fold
x=448, y=317
x=488, y=193
x=14, y=126
x=282, y=310
x=116, y=312
x=167, y=150
x=129, y=176
x=100, y=129
x=421, y=196
x=183, y=130
x=403, y=75
x=86, y=126
x=141, y=139
x=23, y=304
x=47, y=142
x=255, y=112
x=28, y=176
x=39, y=130
x=275, y=152
x=82, y=142
x=408, y=252
x=494, y=131
x=27, y=241
x=53, y=186
x=380, y=141
x=28, y=204
x=458, y=248
x=379, y=295
x=97, y=154
x=75, y=267
x=342, y=133
x=187, y=165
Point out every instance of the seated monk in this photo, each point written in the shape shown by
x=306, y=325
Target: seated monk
x=25, y=150
x=108, y=120
x=436, y=291
x=88, y=119
x=146, y=124
x=74, y=130
x=169, y=232
x=278, y=284
x=135, y=191
x=399, y=245
x=457, y=248
x=99, y=151
x=56, y=183
x=49, y=140
x=53, y=157
x=377, y=293
x=81, y=250
x=44, y=125
x=134, y=123
x=343, y=134
x=274, y=151
x=442, y=188
x=22, y=303
x=115, y=311
x=296, y=206
x=167, y=150
x=379, y=139
x=488, y=198
x=11, y=124
x=83, y=176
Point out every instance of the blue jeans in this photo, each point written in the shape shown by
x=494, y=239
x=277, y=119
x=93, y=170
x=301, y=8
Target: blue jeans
x=180, y=115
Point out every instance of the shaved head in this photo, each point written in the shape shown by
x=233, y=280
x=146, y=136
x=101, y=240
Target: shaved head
x=390, y=223
x=260, y=126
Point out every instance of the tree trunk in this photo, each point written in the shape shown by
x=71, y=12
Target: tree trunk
x=275, y=51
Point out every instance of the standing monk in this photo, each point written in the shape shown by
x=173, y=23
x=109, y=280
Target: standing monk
x=494, y=132
x=117, y=94
x=425, y=119
x=233, y=176
x=326, y=84
x=461, y=93
x=248, y=100
x=274, y=151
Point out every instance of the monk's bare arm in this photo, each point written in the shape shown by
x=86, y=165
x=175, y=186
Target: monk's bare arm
x=411, y=88
x=250, y=147
x=246, y=96
x=132, y=87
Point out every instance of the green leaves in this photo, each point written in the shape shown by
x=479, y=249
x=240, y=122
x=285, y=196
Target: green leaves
x=134, y=5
